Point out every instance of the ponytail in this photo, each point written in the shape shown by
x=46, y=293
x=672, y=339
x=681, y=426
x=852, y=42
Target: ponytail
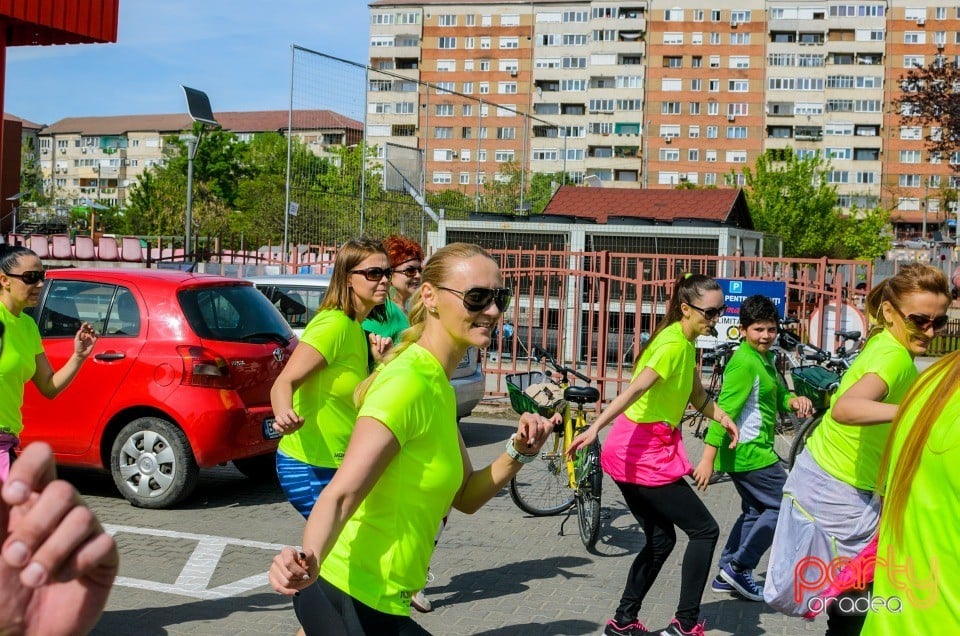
x=687, y=289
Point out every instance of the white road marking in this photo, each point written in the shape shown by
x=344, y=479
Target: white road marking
x=194, y=578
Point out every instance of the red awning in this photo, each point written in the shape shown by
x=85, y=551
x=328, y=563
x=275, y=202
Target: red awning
x=44, y=22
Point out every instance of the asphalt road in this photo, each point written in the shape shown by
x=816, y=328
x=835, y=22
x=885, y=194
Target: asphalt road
x=200, y=569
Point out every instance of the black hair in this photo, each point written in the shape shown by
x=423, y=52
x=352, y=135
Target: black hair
x=10, y=256
x=756, y=309
x=687, y=290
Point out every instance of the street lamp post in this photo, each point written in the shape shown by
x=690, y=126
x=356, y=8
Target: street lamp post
x=192, y=143
x=198, y=105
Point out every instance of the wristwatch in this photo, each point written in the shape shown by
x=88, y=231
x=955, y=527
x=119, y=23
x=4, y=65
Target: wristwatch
x=516, y=455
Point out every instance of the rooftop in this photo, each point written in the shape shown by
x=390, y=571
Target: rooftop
x=714, y=206
x=238, y=122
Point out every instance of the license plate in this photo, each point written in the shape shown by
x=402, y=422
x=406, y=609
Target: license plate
x=268, y=431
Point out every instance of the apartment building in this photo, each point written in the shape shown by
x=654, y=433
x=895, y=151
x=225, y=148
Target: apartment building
x=704, y=106
x=918, y=33
x=652, y=93
x=99, y=159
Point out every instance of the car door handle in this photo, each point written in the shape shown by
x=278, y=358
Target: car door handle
x=109, y=356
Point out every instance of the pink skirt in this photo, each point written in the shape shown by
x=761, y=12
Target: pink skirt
x=644, y=453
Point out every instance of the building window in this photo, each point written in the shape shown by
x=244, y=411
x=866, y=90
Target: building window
x=670, y=108
x=447, y=43
x=442, y=178
x=443, y=132
x=693, y=154
x=712, y=132
x=509, y=43
x=503, y=156
x=694, y=108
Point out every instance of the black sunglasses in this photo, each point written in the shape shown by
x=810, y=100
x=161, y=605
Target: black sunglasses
x=374, y=274
x=409, y=272
x=479, y=298
x=712, y=313
x=30, y=277
x=922, y=322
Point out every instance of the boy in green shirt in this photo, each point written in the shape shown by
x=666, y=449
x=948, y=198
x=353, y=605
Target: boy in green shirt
x=752, y=394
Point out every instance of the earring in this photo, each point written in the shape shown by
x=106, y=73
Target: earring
x=434, y=311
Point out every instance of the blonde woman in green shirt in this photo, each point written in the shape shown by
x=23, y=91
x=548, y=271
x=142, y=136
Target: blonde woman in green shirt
x=830, y=508
x=312, y=398
x=368, y=541
x=921, y=514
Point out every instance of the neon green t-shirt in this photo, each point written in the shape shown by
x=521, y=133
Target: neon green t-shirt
x=392, y=325
x=924, y=570
x=752, y=394
x=674, y=358
x=325, y=399
x=852, y=453
x=381, y=557
x=18, y=363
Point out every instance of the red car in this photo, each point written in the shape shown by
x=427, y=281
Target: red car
x=179, y=379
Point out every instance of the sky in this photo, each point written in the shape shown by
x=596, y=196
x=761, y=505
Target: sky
x=237, y=51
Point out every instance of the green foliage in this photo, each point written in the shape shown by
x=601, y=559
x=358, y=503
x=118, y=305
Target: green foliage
x=792, y=199
x=31, y=178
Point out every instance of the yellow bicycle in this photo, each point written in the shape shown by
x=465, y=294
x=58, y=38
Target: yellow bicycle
x=552, y=484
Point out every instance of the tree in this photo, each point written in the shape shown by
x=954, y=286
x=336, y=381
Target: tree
x=792, y=199
x=931, y=97
x=31, y=177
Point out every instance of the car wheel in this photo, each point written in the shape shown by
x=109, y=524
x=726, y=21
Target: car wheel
x=261, y=468
x=152, y=463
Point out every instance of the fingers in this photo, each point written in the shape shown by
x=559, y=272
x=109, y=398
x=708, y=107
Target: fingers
x=33, y=470
x=58, y=538
x=291, y=571
x=287, y=422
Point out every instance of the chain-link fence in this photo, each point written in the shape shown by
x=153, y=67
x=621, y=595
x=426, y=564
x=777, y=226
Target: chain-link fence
x=387, y=152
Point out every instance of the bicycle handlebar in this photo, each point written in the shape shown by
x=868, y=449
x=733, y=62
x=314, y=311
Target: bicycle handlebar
x=539, y=353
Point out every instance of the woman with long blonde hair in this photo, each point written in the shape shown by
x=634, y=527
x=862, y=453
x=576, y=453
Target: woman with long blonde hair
x=312, y=398
x=368, y=540
x=830, y=509
x=917, y=558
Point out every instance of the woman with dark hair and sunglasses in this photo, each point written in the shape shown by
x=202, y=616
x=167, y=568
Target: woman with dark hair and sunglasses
x=830, y=509
x=644, y=455
x=23, y=359
x=312, y=398
x=368, y=541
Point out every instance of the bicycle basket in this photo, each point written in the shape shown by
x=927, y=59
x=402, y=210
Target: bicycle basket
x=816, y=383
x=517, y=384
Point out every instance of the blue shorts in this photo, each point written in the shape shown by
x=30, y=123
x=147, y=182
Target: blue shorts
x=302, y=483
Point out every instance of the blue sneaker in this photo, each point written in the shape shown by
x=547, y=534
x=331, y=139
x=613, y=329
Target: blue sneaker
x=742, y=583
x=720, y=586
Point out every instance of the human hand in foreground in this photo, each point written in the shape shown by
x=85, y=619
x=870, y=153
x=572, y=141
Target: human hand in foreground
x=57, y=564
x=292, y=571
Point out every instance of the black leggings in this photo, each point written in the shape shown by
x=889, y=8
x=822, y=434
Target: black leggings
x=659, y=509
x=324, y=610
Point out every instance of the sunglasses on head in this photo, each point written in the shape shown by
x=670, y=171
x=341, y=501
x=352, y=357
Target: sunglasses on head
x=409, y=272
x=479, y=298
x=922, y=322
x=30, y=277
x=374, y=274
x=711, y=313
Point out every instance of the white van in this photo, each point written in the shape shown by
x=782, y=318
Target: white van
x=297, y=298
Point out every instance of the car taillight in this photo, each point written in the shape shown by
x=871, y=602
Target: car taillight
x=203, y=367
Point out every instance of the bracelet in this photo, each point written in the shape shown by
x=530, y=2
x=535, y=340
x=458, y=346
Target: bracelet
x=516, y=455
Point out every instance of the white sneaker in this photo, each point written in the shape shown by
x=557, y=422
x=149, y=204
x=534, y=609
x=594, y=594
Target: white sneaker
x=421, y=603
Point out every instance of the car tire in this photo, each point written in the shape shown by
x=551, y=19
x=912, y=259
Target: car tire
x=261, y=468
x=152, y=463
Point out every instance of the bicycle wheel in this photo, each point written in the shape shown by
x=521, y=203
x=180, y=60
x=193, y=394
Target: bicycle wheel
x=590, y=482
x=542, y=488
x=785, y=432
x=800, y=440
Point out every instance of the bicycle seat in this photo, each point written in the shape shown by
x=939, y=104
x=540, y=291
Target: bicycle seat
x=849, y=335
x=581, y=394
